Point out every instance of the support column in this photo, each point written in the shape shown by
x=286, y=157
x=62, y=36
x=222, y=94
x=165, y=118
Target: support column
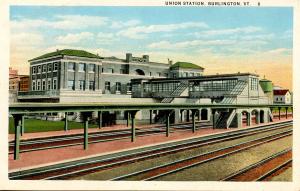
x=151, y=112
x=213, y=111
x=194, y=112
x=279, y=108
x=127, y=118
x=286, y=112
x=100, y=119
x=257, y=118
x=181, y=115
x=86, y=116
x=239, y=119
x=188, y=115
x=66, y=121
x=18, y=124
x=132, y=115
x=168, y=124
x=23, y=125
x=249, y=120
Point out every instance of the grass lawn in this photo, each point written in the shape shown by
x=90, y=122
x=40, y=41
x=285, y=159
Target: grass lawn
x=36, y=125
x=275, y=110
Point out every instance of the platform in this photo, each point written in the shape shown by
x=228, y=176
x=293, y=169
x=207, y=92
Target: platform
x=33, y=159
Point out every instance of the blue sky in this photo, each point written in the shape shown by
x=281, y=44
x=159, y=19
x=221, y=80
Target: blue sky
x=219, y=39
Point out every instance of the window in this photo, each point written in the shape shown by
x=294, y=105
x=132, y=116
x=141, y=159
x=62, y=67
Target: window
x=39, y=69
x=33, y=70
x=45, y=68
x=129, y=87
x=102, y=70
x=43, y=85
x=110, y=70
x=150, y=74
x=71, y=85
x=33, y=86
x=186, y=74
x=158, y=73
x=81, y=67
x=49, y=84
x=81, y=84
x=92, y=68
x=54, y=84
x=55, y=66
x=92, y=85
x=107, y=86
x=122, y=71
x=71, y=66
x=38, y=86
x=254, y=83
x=49, y=67
x=118, y=86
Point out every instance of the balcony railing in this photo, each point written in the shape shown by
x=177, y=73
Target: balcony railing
x=47, y=93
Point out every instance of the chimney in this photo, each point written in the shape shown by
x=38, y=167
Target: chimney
x=146, y=57
x=128, y=57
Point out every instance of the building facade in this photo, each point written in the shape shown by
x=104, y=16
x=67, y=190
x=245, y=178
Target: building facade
x=74, y=76
x=79, y=76
x=282, y=96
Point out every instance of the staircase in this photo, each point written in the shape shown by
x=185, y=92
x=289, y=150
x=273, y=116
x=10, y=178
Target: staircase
x=237, y=90
x=177, y=92
x=230, y=118
x=222, y=120
x=270, y=116
x=162, y=118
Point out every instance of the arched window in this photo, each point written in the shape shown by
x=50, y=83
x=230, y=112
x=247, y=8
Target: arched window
x=139, y=72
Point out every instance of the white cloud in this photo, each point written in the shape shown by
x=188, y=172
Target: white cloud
x=74, y=38
x=26, y=39
x=106, y=38
x=121, y=24
x=280, y=51
x=288, y=34
x=257, y=37
x=66, y=22
x=139, y=32
x=230, y=31
x=187, y=44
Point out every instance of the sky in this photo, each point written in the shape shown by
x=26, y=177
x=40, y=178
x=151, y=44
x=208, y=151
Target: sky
x=220, y=39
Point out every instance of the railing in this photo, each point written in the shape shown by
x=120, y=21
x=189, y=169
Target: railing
x=179, y=89
x=39, y=93
x=237, y=90
x=230, y=118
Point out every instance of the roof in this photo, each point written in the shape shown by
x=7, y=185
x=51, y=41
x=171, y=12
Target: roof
x=280, y=92
x=68, y=52
x=200, y=78
x=186, y=65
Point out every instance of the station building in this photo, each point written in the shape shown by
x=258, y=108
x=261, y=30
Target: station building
x=73, y=76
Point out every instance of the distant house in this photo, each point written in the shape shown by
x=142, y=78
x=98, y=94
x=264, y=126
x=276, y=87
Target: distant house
x=282, y=96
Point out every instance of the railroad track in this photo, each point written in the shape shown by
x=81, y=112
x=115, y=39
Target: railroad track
x=81, y=167
x=179, y=165
x=72, y=140
x=264, y=169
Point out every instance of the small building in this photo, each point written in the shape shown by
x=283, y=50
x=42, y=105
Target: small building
x=185, y=69
x=282, y=96
x=24, y=83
